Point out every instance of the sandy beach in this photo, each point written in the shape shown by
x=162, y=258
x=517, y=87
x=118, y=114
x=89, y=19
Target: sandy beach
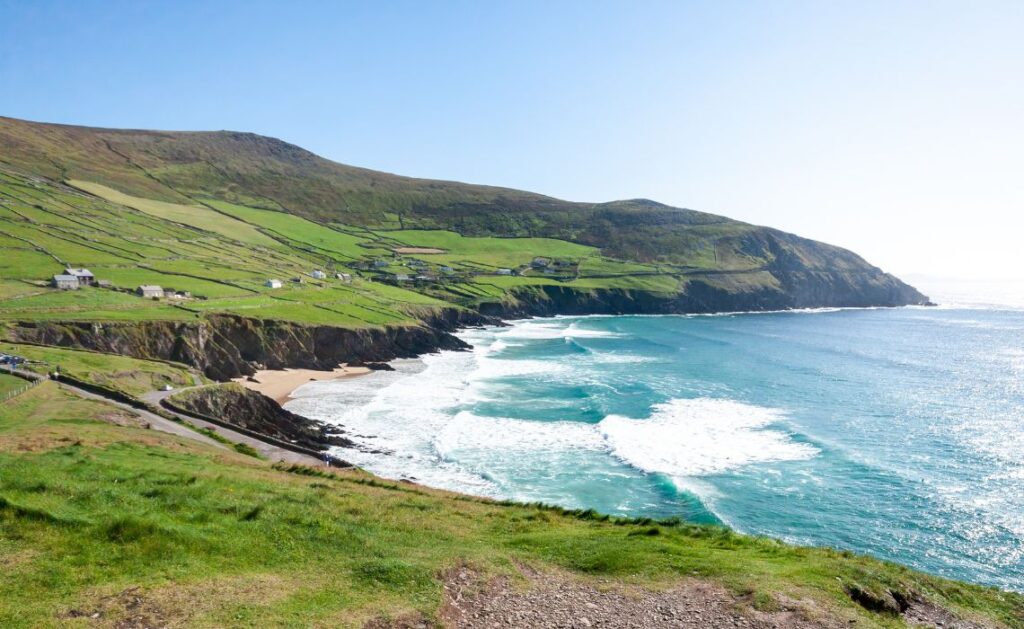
x=278, y=384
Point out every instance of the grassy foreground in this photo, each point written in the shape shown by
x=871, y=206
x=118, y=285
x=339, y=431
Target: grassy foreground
x=90, y=509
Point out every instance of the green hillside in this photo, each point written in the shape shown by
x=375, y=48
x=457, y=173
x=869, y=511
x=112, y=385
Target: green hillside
x=218, y=214
x=105, y=523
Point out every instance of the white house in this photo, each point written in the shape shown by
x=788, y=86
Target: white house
x=318, y=275
x=504, y=271
x=83, y=276
x=65, y=282
x=149, y=291
x=272, y=283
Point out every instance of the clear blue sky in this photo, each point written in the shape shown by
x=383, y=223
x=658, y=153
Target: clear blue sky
x=892, y=128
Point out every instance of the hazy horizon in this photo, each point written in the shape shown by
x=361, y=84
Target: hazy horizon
x=892, y=129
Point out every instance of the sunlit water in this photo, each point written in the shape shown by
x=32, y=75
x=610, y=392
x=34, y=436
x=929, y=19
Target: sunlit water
x=898, y=433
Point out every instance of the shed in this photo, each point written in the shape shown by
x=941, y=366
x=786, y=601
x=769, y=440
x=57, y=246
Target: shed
x=317, y=274
x=149, y=291
x=504, y=271
x=272, y=283
x=344, y=277
x=83, y=276
x=65, y=282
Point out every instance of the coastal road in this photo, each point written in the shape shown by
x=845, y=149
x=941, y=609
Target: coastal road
x=266, y=450
x=156, y=422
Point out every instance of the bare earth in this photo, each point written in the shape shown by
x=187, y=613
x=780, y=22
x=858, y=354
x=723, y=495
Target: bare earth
x=421, y=250
x=552, y=600
x=278, y=384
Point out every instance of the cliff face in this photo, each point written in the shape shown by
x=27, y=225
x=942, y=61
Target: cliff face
x=227, y=346
x=798, y=290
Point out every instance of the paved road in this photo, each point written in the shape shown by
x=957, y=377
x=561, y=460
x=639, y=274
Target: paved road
x=267, y=450
x=156, y=422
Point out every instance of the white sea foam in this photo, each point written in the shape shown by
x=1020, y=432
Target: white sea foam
x=538, y=329
x=699, y=437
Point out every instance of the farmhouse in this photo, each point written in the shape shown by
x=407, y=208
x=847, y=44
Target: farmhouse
x=149, y=291
x=83, y=276
x=65, y=282
x=272, y=283
x=317, y=274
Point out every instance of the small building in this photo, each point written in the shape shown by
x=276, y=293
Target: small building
x=344, y=277
x=504, y=271
x=539, y=263
x=169, y=293
x=297, y=280
x=380, y=264
x=83, y=276
x=400, y=277
x=150, y=291
x=65, y=282
x=272, y=283
x=317, y=274
x=104, y=283
x=426, y=277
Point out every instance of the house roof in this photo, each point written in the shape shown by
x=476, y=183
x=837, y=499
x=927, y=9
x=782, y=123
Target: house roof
x=78, y=272
x=149, y=287
x=65, y=278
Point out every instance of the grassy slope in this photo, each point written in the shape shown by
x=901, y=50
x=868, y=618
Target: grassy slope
x=89, y=509
x=247, y=169
x=130, y=375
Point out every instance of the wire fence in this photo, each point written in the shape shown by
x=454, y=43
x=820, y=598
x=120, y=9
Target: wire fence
x=16, y=392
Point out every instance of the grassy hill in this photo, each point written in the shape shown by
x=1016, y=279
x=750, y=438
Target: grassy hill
x=106, y=523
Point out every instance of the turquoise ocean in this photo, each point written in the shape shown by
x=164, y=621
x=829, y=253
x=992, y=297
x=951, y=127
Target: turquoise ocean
x=893, y=432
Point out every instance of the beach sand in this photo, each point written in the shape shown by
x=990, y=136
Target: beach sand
x=278, y=384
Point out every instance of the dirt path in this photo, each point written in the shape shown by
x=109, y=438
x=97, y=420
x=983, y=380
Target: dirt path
x=551, y=600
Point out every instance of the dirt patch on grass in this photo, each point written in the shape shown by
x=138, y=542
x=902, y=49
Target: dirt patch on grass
x=554, y=600
x=177, y=605
x=418, y=250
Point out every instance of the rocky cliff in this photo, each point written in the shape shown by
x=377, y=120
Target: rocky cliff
x=236, y=405
x=228, y=346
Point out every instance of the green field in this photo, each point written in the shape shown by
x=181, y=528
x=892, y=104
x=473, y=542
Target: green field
x=9, y=383
x=205, y=537
x=129, y=375
x=223, y=253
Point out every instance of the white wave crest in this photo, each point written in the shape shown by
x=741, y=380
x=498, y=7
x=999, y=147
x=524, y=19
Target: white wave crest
x=698, y=437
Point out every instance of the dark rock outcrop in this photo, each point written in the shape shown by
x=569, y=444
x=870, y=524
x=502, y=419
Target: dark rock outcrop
x=236, y=405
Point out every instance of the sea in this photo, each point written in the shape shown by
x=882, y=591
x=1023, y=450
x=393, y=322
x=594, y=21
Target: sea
x=898, y=433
